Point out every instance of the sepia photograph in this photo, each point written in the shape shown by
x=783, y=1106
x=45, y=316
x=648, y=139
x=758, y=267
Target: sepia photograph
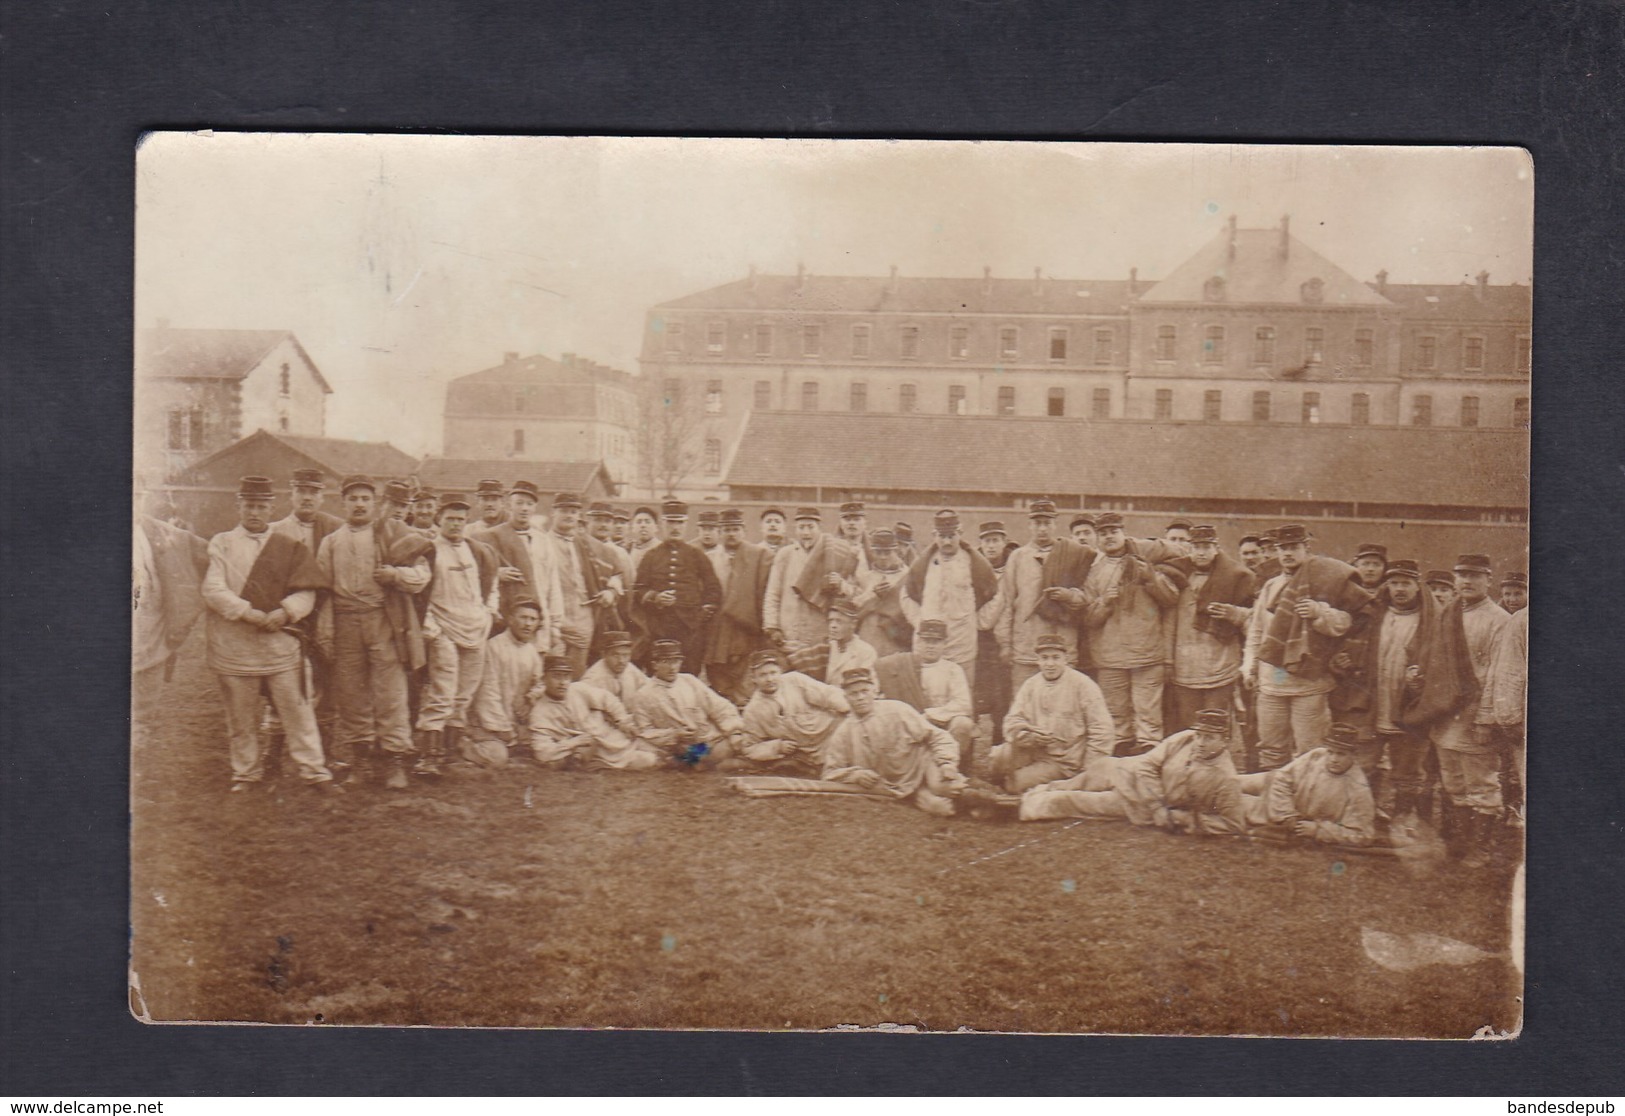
x=812, y=585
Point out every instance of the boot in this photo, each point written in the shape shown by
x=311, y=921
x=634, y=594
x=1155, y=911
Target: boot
x=429, y=754
x=1405, y=819
x=448, y=744
x=1480, y=839
x=1449, y=824
x=396, y=778
x=362, y=768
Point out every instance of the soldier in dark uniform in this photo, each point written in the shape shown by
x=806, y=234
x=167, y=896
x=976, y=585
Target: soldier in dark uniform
x=677, y=590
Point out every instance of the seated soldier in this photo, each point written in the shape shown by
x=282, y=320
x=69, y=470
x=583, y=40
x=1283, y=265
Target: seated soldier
x=787, y=720
x=614, y=673
x=1321, y=795
x=890, y=748
x=933, y=684
x=681, y=716
x=1058, y=722
x=576, y=722
x=501, y=706
x=846, y=650
x=1186, y=784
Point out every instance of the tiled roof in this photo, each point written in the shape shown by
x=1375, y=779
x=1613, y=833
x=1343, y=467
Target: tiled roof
x=544, y=370
x=337, y=457
x=1462, y=301
x=222, y=354
x=906, y=294
x=465, y=474
x=1236, y=461
x=1258, y=273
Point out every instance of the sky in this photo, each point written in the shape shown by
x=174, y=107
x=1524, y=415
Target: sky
x=402, y=262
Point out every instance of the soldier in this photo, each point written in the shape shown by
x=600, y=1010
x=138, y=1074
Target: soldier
x=395, y=502
x=258, y=585
x=491, y=499
x=905, y=542
x=854, y=528
x=1206, y=628
x=1178, y=536
x=683, y=717
x=1320, y=796
x=645, y=534
x=529, y=563
x=1514, y=592
x=1250, y=553
x=934, y=685
x=709, y=541
x=881, y=622
x=1058, y=724
x=307, y=523
x=1083, y=530
x=1441, y=585
x=424, y=505
x=677, y=590
x=772, y=525
x=737, y=629
x=613, y=672
x=1022, y=619
x=790, y=620
x=601, y=528
x=1125, y=597
x=787, y=720
x=577, y=724
x=846, y=650
x=952, y=583
x=590, y=584
x=1501, y=708
x=887, y=747
x=1371, y=562
x=620, y=521
x=500, y=711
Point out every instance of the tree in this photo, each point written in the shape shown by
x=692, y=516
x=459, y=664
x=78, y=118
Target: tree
x=669, y=434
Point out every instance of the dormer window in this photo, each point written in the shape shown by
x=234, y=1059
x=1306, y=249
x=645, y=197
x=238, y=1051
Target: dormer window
x=1313, y=291
x=1213, y=289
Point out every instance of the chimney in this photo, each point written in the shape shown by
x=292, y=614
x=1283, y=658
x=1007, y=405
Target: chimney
x=1483, y=285
x=987, y=280
x=891, y=283
x=1133, y=278
x=1038, y=280
x=1286, y=236
x=1382, y=281
x=1230, y=251
x=801, y=276
x=509, y=358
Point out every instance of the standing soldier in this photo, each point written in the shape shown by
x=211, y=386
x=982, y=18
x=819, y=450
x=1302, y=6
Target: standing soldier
x=492, y=512
x=1207, y=626
x=1250, y=553
x=1371, y=562
x=589, y=581
x=1023, y=621
x=529, y=565
x=905, y=542
x=1125, y=596
x=772, y=521
x=374, y=568
x=854, y=528
x=677, y=590
x=790, y=620
x=395, y=502
x=1501, y=709
x=307, y=523
x=952, y=583
x=709, y=541
x=424, y=506
x=1083, y=530
x=645, y=535
x=882, y=624
x=259, y=583
x=619, y=522
x=737, y=629
x=1514, y=592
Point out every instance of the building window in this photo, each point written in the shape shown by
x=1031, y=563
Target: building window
x=959, y=342
x=1212, y=405
x=1469, y=410
x=286, y=382
x=860, y=340
x=1213, y=290
x=1100, y=406
x=764, y=340
x=674, y=337
x=1422, y=410
x=764, y=395
x=716, y=337
x=956, y=399
x=1166, y=336
x=1314, y=290
x=1523, y=354
x=1427, y=352
x=1362, y=348
x=909, y=341
x=860, y=396
x=1009, y=342
x=713, y=397
x=1360, y=409
x=1164, y=405
x=518, y=441
x=282, y=424
x=1007, y=400
x=713, y=455
x=186, y=428
x=1264, y=345
x=812, y=340
x=1103, y=346
x=1261, y=406
x=809, y=395
x=1057, y=344
x=1213, y=345
x=1311, y=406
x=908, y=400
x=1314, y=344
x=1472, y=354
x=1520, y=413
x=1056, y=403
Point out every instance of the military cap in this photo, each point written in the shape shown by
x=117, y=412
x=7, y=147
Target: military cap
x=845, y=608
x=765, y=512
x=710, y=518
x=452, y=500
x=991, y=527
x=882, y=539
x=1179, y=525
x=255, y=488
x=1108, y=519
x=1342, y=738
x=666, y=649
x=644, y=510
x=1440, y=577
x=1204, y=532
x=525, y=602
x=857, y=676
x=1212, y=721
x=1514, y=579
x=621, y=516
x=933, y=629
x=1041, y=508
x=556, y=664
x=308, y=478
x=673, y=509
x=1371, y=550
x=358, y=480
x=423, y=492
x=598, y=509
x=852, y=507
x=525, y=488
x=616, y=639
x=809, y=513
x=1403, y=567
x=1290, y=534
x=490, y=486
x=1049, y=643
x=1269, y=538
x=762, y=658
x=731, y=517
x=1245, y=539
x=1473, y=563
x=566, y=500
x=945, y=522
x=1081, y=518
x=903, y=531
x=398, y=492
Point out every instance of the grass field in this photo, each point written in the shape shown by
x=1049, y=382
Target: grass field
x=540, y=899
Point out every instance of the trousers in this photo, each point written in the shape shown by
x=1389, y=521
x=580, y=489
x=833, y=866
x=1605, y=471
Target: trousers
x=1134, y=698
x=370, y=682
x=240, y=695
x=1290, y=724
x=454, y=675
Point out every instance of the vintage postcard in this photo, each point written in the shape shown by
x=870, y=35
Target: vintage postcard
x=765, y=584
